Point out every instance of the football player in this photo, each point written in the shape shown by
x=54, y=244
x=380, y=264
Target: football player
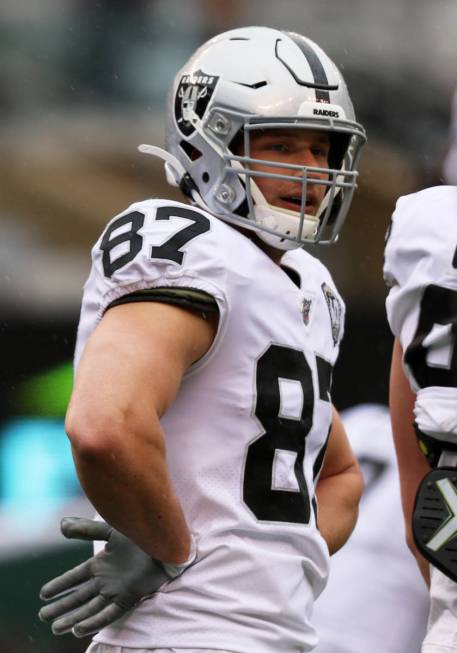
x=201, y=411
x=421, y=270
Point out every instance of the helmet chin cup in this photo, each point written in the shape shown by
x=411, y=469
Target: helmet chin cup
x=272, y=219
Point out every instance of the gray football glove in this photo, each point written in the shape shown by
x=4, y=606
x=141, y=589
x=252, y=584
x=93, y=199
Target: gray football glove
x=105, y=587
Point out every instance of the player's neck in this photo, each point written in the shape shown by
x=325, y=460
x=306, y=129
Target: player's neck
x=272, y=252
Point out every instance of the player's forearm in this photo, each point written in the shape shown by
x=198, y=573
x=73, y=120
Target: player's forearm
x=338, y=499
x=412, y=464
x=125, y=477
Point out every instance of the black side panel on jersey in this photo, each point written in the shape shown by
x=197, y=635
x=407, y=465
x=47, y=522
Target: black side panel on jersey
x=324, y=373
x=193, y=300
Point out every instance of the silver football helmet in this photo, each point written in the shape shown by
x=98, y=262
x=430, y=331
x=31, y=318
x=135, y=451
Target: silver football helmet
x=252, y=79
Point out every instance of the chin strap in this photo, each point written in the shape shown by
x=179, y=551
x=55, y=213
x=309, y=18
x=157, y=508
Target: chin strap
x=175, y=173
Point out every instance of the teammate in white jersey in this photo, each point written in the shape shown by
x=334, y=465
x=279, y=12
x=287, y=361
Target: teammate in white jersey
x=421, y=270
x=201, y=410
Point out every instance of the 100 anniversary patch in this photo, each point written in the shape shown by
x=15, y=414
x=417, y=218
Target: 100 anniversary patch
x=192, y=98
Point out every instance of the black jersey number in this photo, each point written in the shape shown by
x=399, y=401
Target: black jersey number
x=281, y=433
x=169, y=250
x=438, y=307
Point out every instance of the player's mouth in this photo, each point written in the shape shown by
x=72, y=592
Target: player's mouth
x=294, y=202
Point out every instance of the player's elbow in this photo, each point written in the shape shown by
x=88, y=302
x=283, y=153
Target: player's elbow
x=358, y=482
x=92, y=437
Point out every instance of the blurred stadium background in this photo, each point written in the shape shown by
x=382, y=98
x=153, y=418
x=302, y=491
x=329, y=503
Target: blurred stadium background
x=82, y=83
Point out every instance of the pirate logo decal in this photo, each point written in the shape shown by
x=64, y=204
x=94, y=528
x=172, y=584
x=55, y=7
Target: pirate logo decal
x=192, y=99
x=335, y=310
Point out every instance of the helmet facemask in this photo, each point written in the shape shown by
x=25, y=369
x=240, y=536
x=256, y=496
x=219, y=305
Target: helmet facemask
x=218, y=161
x=288, y=228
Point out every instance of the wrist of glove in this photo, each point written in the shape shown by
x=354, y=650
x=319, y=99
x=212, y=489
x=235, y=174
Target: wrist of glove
x=174, y=570
x=92, y=595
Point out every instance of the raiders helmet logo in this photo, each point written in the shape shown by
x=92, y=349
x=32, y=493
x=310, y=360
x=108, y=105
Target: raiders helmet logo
x=192, y=98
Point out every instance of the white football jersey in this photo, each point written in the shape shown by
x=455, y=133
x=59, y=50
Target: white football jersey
x=421, y=270
x=246, y=434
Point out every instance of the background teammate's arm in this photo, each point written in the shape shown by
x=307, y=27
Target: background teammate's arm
x=411, y=463
x=339, y=488
x=129, y=375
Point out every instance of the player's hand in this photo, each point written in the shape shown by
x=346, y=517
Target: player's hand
x=92, y=595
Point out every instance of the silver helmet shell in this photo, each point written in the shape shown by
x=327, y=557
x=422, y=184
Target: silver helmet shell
x=258, y=78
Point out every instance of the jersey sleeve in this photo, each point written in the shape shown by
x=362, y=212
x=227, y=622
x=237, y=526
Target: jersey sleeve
x=156, y=250
x=420, y=270
x=420, y=251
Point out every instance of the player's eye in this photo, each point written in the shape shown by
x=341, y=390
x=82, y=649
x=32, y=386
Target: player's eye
x=319, y=151
x=278, y=146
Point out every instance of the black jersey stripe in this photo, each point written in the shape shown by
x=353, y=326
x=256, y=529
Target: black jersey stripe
x=190, y=298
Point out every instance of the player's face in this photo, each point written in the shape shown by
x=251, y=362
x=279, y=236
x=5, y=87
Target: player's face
x=302, y=147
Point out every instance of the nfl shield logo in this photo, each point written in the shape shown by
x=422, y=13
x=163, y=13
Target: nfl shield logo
x=306, y=310
x=192, y=98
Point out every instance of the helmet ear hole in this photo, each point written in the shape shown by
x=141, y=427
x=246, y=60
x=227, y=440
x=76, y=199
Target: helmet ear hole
x=205, y=177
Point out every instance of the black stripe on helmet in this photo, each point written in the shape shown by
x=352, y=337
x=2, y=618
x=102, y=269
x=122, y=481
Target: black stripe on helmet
x=321, y=85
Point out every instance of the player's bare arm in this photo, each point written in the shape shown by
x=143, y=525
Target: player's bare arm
x=129, y=374
x=411, y=463
x=339, y=488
